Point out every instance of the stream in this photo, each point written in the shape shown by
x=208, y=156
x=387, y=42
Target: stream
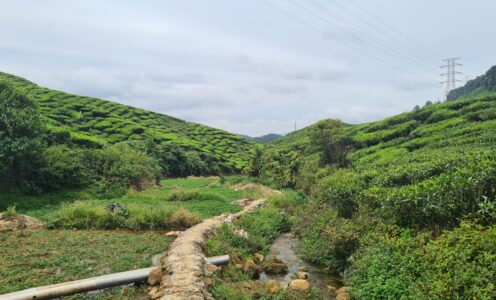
x=284, y=247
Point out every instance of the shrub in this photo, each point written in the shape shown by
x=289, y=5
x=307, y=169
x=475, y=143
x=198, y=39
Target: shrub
x=326, y=238
x=91, y=214
x=340, y=191
x=66, y=168
x=182, y=218
x=10, y=212
x=187, y=195
x=398, y=264
x=21, y=145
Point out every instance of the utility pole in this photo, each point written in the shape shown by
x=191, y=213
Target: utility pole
x=295, y=126
x=449, y=78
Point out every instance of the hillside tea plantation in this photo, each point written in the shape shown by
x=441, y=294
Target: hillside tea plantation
x=92, y=121
x=404, y=208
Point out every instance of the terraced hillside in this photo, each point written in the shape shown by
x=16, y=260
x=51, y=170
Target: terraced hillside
x=96, y=121
x=403, y=207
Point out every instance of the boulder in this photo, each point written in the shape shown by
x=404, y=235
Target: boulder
x=241, y=233
x=274, y=265
x=173, y=233
x=207, y=282
x=301, y=285
x=155, y=293
x=331, y=289
x=343, y=294
x=251, y=268
x=272, y=286
x=155, y=276
x=212, y=268
x=301, y=275
x=259, y=257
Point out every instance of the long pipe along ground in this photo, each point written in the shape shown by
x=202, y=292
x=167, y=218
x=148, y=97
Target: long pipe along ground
x=94, y=283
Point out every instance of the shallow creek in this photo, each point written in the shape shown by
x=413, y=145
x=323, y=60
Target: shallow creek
x=284, y=247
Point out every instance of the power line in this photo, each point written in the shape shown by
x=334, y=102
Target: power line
x=404, y=36
x=382, y=43
x=337, y=40
x=400, y=44
x=451, y=74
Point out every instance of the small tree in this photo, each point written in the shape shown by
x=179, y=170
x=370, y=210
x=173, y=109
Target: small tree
x=327, y=137
x=21, y=144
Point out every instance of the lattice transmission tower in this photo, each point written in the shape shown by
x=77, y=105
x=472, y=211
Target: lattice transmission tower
x=451, y=75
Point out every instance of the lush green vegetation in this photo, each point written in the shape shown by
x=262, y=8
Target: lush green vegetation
x=154, y=208
x=182, y=148
x=404, y=207
x=261, y=228
x=33, y=258
x=483, y=85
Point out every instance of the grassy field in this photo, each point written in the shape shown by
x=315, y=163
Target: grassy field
x=34, y=258
x=208, y=198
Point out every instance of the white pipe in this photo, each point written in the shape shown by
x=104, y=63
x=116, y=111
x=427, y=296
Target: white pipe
x=91, y=284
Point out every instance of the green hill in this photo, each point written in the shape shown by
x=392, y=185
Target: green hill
x=481, y=86
x=96, y=121
x=404, y=207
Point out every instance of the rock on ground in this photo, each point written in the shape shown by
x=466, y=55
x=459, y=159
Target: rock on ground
x=301, y=285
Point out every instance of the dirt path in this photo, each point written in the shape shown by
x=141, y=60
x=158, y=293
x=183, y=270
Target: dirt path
x=184, y=268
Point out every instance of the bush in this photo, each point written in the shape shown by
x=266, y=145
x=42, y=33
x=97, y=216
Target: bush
x=90, y=214
x=340, y=191
x=10, y=212
x=326, y=238
x=187, y=195
x=66, y=168
x=262, y=226
x=121, y=167
x=21, y=145
x=398, y=264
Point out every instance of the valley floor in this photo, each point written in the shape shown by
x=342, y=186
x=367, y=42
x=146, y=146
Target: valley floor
x=85, y=240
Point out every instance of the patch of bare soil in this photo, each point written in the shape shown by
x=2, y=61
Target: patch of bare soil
x=19, y=222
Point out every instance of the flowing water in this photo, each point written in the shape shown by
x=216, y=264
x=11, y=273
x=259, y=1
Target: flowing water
x=284, y=247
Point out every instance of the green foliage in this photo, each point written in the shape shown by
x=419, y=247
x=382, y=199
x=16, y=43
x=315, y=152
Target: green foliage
x=341, y=191
x=10, y=212
x=280, y=166
x=194, y=194
x=262, y=226
x=327, y=239
x=379, y=216
x=21, y=127
x=182, y=148
x=93, y=215
x=121, y=167
x=401, y=265
x=333, y=146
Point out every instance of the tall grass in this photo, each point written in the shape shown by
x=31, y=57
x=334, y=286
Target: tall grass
x=90, y=214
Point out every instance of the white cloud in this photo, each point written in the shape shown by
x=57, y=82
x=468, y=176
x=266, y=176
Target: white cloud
x=237, y=65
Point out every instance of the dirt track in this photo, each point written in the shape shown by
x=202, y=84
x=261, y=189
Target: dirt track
x=184, y=267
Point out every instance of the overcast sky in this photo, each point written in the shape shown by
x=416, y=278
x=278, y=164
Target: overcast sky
x=244, y=65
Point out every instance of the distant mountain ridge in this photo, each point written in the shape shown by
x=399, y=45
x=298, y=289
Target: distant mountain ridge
x=264, y=139
x=481, y=86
